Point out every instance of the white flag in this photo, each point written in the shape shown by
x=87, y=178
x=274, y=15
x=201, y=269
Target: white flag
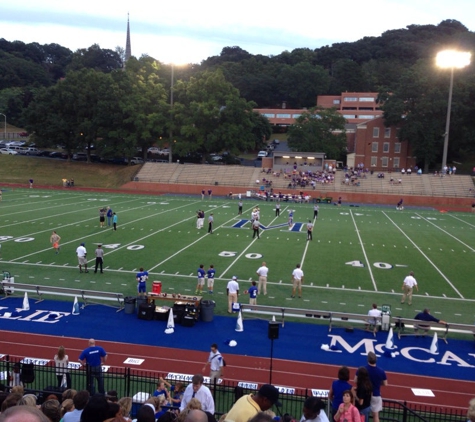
x=389, y=341
x=171, y=323
x=75, y=306
x=239, y=326
x=26, y=304
x=434, y=347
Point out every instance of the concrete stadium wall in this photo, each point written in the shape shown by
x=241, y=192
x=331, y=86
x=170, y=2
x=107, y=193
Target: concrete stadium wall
x=441, y=203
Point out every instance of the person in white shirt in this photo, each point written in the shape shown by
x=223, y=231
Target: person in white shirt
x=82, y=260
x=232, y=290
x=215, y=362
x=375, y=317
x=407, y=287
x=200, y=392
x=297, y=280
x=262, y=272
x=313, y=410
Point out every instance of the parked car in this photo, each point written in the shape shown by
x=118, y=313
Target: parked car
x=261, y=154
x=136, y=160
x=58, y=154
x=154, y=150
x=30, y=151
x=80, y=156
x=8, y=151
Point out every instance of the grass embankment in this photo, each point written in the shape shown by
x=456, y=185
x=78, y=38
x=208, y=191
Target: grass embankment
x=50, y=172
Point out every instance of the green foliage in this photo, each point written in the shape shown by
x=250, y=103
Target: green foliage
x=319, y=130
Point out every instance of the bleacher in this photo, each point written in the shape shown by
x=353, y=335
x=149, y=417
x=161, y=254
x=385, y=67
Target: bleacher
x=206, y=174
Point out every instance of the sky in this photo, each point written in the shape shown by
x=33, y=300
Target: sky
x=190, y=31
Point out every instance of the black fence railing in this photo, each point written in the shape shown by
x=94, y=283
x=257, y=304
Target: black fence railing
x=41, y=380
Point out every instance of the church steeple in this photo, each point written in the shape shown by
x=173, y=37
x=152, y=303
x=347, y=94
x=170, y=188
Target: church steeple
x=128, y=48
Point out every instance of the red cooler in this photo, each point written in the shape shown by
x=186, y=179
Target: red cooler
x=157, y=287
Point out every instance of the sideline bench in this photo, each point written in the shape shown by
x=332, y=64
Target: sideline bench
x=334, y=318
x=9, y=287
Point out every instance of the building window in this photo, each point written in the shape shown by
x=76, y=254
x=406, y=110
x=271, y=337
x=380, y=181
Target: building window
x=376, y=132
x=269, y=115
x=386, y=147
x=350, y=99
x=374, y=147
x=384, y=161
x=296, y=116
x=387, y=132
x=283, y=115
x=397, y=147
x=374, y=161
x=336, y=101
x=365, y=116
x=349, y=116
x=367, y=99
x=396, y=162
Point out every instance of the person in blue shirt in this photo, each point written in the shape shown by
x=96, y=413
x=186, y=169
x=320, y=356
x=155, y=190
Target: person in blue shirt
x=109, y=216
x=211, y=273
x=252, y=293
x=162, y=390
x=201, y=280
x=142, y=277
x=94, y=357
x=114, y=220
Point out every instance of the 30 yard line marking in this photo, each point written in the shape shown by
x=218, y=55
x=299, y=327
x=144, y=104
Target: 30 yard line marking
x=368, y=265
x=424, y=255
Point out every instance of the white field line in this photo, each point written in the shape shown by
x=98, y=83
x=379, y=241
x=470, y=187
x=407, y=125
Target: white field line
x=95, y=234
x=425, y=256
x=27, y=202
x=368, y=265
x=459, y=219
x=306, y=248
x=446, y=232
x=244, y=251
x=58, y=215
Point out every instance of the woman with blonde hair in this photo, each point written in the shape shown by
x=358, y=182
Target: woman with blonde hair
x=61, y=361
x=125, y=404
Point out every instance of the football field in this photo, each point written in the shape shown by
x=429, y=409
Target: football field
x=359, y=254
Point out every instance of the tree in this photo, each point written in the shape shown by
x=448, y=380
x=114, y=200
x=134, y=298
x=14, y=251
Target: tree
x=94, y=57
x=319, y=130
x=209, y=116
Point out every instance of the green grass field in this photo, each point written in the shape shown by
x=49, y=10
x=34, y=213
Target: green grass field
x=359, y=255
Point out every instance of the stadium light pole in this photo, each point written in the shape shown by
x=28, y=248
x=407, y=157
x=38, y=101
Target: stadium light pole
x=453, y=60
x=5, y=129
x=170, y=146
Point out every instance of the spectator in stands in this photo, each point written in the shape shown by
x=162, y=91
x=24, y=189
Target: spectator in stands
x=363, y=390
x=250, y=405
x=193, y=404
x=61, y=361
x=125, y=404
x=94, y=356
x=96, y=409
x=335, y=394
x=14, y=376
x=80, y=401
x=114, y=413
x=68, y=394
x=426, y=316
x=28, y=400
x=378, y=379
x=52, y=410
x=199, y=391
x=313, y=410
x=11, y=400
x=161, y=389
x=146, y=414
x=23, y=413
x=471, y=408
x=347, y=412
x=66, y=406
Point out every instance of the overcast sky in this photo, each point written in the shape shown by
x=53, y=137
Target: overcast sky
x=185, y=31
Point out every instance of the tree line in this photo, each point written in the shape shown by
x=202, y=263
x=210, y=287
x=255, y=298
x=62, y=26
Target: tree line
x=86, y=95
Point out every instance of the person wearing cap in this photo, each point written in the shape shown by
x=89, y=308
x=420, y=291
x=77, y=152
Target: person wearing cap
x=81, y=252
x=378, y=379
x=99, y=258
x=407, y=287
x=250, y=405
x=426, y=316
x=232, y=291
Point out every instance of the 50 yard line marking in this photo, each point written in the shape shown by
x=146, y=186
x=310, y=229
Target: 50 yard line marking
x=424, y=255
x=364, y=252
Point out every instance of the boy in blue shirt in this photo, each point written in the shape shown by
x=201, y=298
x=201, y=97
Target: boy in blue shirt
x=252, y=293
x=141, y=278
x=201, y=280
x=210, y=273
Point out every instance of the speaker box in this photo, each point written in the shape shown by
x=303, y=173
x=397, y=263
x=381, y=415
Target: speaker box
x=188, y=321
x=146, y=311
x=273, y=330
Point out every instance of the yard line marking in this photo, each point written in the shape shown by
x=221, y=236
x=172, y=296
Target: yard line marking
x=446, y=232
x=459, y=219
x=250, y=244
x=424, y=255
x=368, y=265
